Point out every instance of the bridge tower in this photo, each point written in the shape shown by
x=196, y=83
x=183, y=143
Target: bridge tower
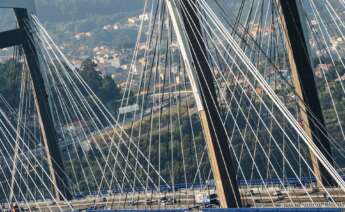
x=293, y=23
x=193, y=50
x=21, y=37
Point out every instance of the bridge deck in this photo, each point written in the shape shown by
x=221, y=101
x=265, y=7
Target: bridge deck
x=186, y=198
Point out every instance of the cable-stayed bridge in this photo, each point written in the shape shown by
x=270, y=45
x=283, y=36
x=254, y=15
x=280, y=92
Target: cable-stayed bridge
x=226, y=104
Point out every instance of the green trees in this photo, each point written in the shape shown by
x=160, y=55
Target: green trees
x=90, y=75
x=104, y=88
x=10, y=81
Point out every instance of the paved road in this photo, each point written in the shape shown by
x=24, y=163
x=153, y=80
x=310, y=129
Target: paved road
x=256, y=197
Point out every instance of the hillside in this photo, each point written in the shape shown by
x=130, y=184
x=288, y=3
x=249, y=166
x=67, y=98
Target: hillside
x=76, y=11
x=66, y=18
x=67, y=10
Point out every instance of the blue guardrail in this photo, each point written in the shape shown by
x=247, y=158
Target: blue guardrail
x=237, y=210
x=277, y=210
x=172, y=210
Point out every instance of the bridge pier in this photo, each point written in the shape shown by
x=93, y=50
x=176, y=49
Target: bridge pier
x=311, y=117
x=49, y=136
x=201, y=78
